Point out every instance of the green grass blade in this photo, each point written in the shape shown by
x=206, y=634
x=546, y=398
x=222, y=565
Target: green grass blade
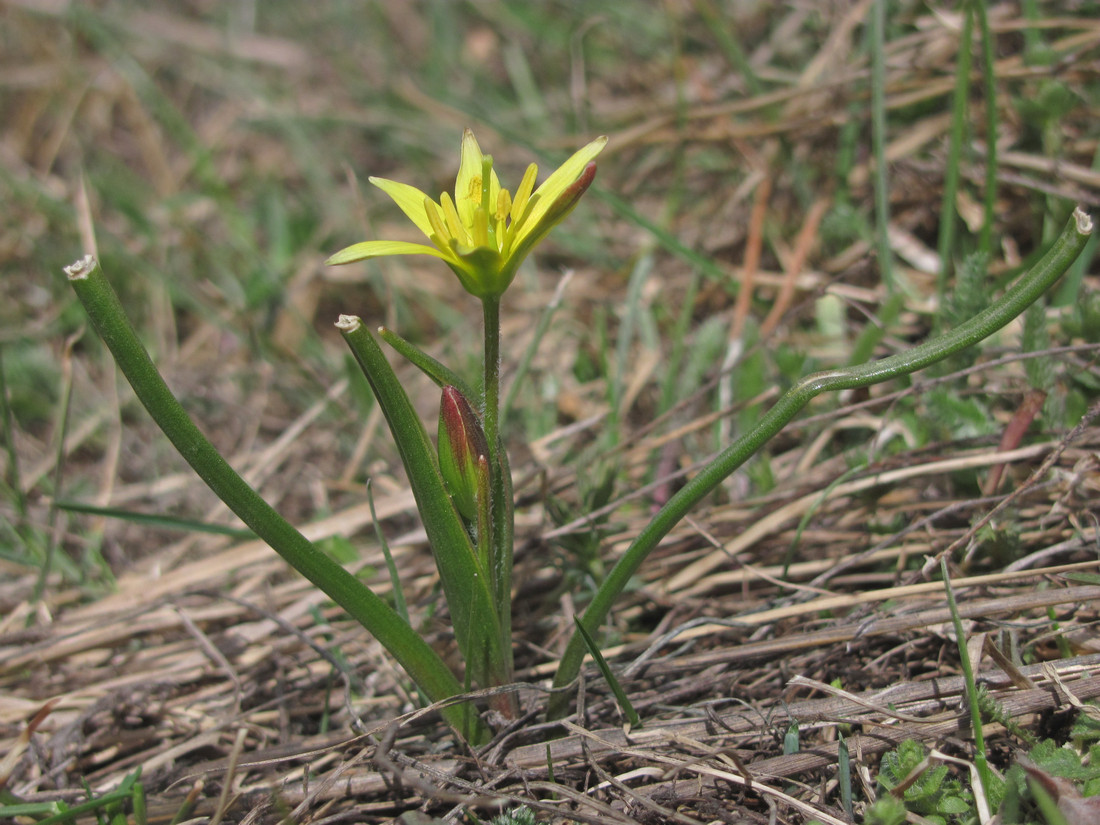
x=528, y=356
x=946, y=243
x=981, y=762
x=844, y=777
x=7, y=428
x=156, y=520
x=878, y=140
x=630, y=321
x=395, y=578
x=616, y=688
x=72, y=814
x=1052, y=815
x=729, y=45
x=989, y=84
x=664, y=237
x=1083, y=578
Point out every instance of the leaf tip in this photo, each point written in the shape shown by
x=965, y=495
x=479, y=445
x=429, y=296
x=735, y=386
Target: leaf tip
x=1084, y=221
x=348, y=323
x=80, y=270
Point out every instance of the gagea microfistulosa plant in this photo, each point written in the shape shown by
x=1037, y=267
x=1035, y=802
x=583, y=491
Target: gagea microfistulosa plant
x=463, y=486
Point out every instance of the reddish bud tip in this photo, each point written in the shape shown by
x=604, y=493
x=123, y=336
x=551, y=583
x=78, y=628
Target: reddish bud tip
x=463, y=450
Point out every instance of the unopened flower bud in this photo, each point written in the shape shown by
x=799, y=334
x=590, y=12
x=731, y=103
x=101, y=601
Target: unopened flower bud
x=463, y=451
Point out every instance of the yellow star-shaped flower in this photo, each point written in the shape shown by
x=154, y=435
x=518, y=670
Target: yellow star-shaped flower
x=484, y=233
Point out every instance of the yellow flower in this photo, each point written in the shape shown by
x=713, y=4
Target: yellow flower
x=484, y=233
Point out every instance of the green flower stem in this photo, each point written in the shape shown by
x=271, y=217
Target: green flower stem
x=422, y=663
x=501, y=506
x=466, y=584
x=491, y=312
x=503, y=536
x=1014, y=301
x=500, y=498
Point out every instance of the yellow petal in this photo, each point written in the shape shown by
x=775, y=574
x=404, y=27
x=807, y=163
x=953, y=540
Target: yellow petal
x=523, y=194
x=494, y=188
x=440, y=235
x=500, y=217
x=409, y=199
x=562, y=178
x=454, y=223
x=375, y=249
x=468, y=182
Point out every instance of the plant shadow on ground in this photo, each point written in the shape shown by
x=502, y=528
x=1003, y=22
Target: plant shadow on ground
x=214, y=155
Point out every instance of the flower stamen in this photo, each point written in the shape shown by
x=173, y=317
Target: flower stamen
x=454, y=222
x=439, y=226
x=485, y=210
x=523, y=193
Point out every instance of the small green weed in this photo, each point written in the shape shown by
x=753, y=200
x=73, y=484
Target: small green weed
x=910, y=783
x=517, y=816
x=925, y=789
x=110, y=807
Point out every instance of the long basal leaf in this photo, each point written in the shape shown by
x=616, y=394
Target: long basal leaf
x=465, y=583
x=1014, y=301
x=422, y=663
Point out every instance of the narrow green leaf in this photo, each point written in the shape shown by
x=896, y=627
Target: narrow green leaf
x=790, y=740
x=395, y=578
x=616, y=688
x=1083, y=578
x=465, y=583
x=156, y=520
x=422, y=663
x=1015, y=300
x=73, y=813
x=981, y=762
x=436, y=371
x=879, y=140
x=844, y=777
x=960, y=101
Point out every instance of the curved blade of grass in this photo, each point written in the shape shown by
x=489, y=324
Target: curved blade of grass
x=616, y=688
x=465, y=583
x=989, y=89
x=418, y=659
x=1014, y=301
x=878, y=141
x=981, y=762
x=959, y=105
x=71, y=814
x=395, y=578
x=156, y=520
x=541, y=326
